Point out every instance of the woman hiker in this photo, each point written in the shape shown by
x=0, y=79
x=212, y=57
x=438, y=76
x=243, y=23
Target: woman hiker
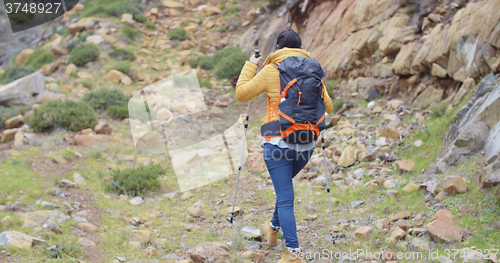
x=283, y=160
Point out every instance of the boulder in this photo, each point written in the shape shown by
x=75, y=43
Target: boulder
x=390, y=133
x=42, y=216
x=25, y=91
x=23, y=56
x=428, y=97
x=14, y=122
x=348, y=156
x=8, y=135
x=195, y=211
x=208, y=252
x=114, y=76
x=14, y=239
x=443, y=228
x=454, y=185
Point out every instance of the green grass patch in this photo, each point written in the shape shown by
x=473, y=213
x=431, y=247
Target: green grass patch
x=330, y=86
x=150, y=25
x=79, y=39
x=337, y=104
x=68, y=114
x=83, y=54
x=232, y=10
x=136, y=181
x=16, y=176
x=140, y=18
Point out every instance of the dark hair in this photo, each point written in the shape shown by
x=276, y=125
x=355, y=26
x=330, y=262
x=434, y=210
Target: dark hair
x=288, y=38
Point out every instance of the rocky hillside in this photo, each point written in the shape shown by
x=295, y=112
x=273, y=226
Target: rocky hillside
x=412, y=151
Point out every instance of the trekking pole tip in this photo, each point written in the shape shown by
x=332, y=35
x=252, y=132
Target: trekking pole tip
x=231, y=218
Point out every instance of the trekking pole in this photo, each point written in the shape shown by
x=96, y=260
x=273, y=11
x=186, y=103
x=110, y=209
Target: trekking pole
x=327, y=185
x=232, y=216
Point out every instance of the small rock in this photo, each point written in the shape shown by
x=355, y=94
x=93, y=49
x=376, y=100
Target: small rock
x=358, y=174
x=390, y=133
x=103, y=127
x=186, y=196
x=400, y=215
x=250, y=232
x=420, y=244
x=121, y=259
x=85, y=242
x=208, y=252
x=19, y=240
x=418, y=143
x=78, y=178
x=363, y=232
x=141, y=236
x=14, y=122
x=454, y=185
x=406, y=165
x=151, y=252
x=60, y=159
x=440, y=197
x=195, y=211
x=136, y=200
x=443, y=228
x=257, y=257
x=65, y=183
x=398, y=233
x=411, y=187
x=87, y=227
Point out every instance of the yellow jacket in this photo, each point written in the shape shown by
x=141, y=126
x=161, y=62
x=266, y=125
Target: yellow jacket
x=250, y=86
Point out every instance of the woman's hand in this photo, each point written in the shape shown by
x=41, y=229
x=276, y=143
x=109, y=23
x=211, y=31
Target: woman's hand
x=256, y=61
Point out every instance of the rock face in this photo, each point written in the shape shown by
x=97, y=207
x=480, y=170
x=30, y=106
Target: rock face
x=24, y=91
x=442, y=228
x=476, y=128
x=207, y=253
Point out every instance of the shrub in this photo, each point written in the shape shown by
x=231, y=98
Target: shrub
x=67, y=251
x=178, y=33
x=83, y=54
x=111, y=7
x=230, y=65
x=222, y=4
x=118, y=111
x=206, y=62
x=140, y=18
x=129, y=32
x=331, y=85
x=337, y=104
x=14, y=73
x=137, y=180
x=123, y=54
x=68, y=114
x=150, y=25
x=86, y=83
x=38, y=58
x=102, y=99
x=123, y=67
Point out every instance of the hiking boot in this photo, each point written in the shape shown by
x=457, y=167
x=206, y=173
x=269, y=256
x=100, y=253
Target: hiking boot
x=272, y=234
x=292, y=256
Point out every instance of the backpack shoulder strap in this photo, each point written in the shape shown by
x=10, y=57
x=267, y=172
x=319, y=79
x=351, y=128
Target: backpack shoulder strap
x=275, y=65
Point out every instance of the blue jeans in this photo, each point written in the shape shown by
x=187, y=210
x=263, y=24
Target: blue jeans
x=283, y=164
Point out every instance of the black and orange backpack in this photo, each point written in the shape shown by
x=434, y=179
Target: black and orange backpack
x=301, y=109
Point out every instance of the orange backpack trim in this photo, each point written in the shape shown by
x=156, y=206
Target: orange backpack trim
x=298, y=127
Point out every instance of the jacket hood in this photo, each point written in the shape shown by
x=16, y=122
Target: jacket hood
x=280, y=54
